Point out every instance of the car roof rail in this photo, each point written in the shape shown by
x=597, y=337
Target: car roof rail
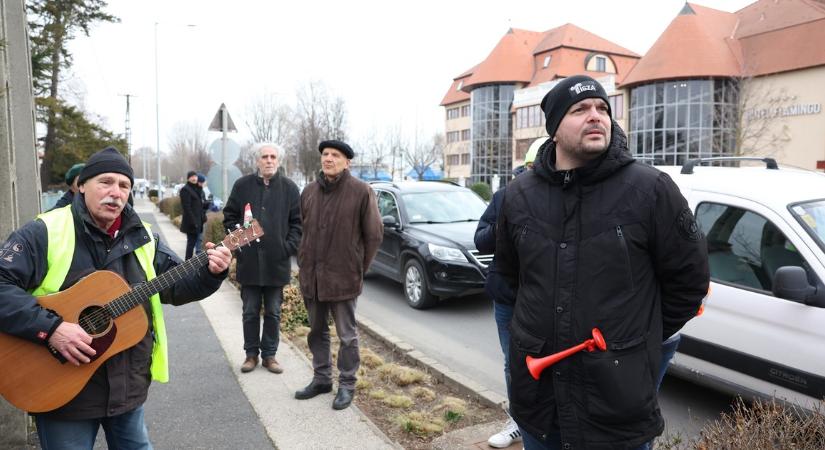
x=382, y=182
x=687, y=167
x=652, y=160
x=442, y=181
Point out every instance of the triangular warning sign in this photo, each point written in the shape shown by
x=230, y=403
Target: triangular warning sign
x=217, y=123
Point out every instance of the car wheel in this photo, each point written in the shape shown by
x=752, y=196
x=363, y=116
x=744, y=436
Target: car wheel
x=415, y=286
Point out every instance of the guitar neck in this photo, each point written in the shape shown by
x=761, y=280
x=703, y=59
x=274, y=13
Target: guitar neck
x=143, y=291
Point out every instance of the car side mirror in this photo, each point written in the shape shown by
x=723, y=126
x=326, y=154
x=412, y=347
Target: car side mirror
x=791, y=283
x=389, y=221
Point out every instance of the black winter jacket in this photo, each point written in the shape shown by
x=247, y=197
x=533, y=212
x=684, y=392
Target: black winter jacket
x=277, y=207
x=611, y=245
x=192, y=208
x=122, y=383
x=485, y=240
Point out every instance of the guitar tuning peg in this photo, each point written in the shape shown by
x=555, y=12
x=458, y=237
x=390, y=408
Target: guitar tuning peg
x=237, y=226
x=257, y=240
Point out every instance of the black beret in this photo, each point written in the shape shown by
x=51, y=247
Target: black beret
x=338, y=145
x=190, y=174
x=567, y=93
x=107, y=160
x=73, y=173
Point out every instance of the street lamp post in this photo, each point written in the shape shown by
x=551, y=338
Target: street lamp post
x=157, y=114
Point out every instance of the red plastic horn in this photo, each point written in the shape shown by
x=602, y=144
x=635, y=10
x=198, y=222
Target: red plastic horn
x=537, y=365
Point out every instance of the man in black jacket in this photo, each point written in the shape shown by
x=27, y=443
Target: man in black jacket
x=192, y=217
x=98, y=231
x=606, y=243
x=263, y=270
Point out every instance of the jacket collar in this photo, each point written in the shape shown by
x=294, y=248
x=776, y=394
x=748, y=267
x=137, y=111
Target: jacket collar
x=614, y=158
x=329, y=186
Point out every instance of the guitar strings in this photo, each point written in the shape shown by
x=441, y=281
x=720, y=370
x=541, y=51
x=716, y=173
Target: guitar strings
x=139, y=293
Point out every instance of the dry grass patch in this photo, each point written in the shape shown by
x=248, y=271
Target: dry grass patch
x=363, y=384
x=423, y=394
x=301, y=331
x=378, y=394
x=451, y=408
x=370, y=359
x=420, y=423
x=402, y=375
x=399, y=401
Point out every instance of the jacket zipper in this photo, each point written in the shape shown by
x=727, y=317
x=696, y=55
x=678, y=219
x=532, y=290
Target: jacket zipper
x=623, y=244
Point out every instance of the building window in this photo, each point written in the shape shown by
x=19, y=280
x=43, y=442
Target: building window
x=460, y=85
x=465, y=158
x=672, y=121
x=465, y=110
x=453, y=160
x=529, y=117
x=452, y=136
x=617, y=106
x=491, y=144
x=601, y=64
x=465, y=135
x=547, y=61
x=453, y=113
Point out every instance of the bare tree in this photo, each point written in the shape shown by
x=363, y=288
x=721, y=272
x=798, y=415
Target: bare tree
x=247, y=161
x=760, y=126
x=373, y=156
x=188, y=150
x=318, y=117
x=425, y=155
x=270, y=120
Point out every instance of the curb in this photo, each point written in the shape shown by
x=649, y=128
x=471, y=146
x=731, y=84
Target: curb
x=439, y=371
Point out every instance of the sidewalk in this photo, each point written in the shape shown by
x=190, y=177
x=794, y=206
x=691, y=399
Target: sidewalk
x=289, y=423
x=312, y=424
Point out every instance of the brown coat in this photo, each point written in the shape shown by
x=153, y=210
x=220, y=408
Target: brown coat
x=342, y=232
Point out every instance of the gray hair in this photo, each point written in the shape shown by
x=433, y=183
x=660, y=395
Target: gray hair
x=257, y=147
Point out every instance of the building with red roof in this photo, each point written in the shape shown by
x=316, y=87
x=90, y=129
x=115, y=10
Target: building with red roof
x=714, y=83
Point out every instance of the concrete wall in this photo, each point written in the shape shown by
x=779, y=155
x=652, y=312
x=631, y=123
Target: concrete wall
x=19, y=175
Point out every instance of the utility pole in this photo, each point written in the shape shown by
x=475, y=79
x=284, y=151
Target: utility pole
x=19, y=168
x=128, y=128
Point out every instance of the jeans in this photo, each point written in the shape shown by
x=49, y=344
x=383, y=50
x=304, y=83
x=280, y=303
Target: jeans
x=553, y=442
x=343, y=314
x=126, y=431
x=504, y=314
x=199, y=243
x=669, y=347
x=255, y=340
x=191, y=240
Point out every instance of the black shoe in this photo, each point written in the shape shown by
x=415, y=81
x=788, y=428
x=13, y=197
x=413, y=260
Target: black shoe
x=312, y=390
x=343, y=398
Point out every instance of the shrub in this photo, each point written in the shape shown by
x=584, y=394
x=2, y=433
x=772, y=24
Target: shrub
x=153, y=193
x=483, y=190
x=171, y=207
x=213, y=228
x=293, y=312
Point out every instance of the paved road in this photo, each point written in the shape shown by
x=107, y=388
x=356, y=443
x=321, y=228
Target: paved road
x=203, y=399
x=461, y=334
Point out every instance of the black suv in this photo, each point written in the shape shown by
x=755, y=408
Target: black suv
x=428, y=240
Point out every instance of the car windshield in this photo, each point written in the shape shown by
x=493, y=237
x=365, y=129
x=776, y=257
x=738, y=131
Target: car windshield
x=443, y=206
x=812, y=217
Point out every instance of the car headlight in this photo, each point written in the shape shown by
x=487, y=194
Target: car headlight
x=446, y=254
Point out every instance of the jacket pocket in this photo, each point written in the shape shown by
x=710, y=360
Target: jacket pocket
x=619, y=385
x=625, y=251
x=524, y=389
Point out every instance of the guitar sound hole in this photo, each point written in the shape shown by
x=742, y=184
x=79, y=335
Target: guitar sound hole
x=95, y=320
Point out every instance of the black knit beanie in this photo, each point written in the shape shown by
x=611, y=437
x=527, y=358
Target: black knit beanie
x=567, y=93
x=106, y=160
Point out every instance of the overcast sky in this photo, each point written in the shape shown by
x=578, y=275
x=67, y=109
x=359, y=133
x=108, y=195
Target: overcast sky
x=392, y=62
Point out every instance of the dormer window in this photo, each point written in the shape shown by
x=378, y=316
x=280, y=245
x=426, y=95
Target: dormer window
x=547, y=61
x=601, y=64
x=460, y=85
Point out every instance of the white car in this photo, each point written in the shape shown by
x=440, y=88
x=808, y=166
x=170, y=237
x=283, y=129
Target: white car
x=762, y=333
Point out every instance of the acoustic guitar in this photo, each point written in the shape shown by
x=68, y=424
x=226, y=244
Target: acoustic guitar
x=34, y=377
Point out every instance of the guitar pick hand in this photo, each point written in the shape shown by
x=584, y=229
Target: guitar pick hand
x=72, y=342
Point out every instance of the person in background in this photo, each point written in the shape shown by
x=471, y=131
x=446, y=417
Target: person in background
x=191, y=205
x=590, y=239
x=99, y=231
x=205, y=207
x=264, y=269
x=71, y=181
x=342, y=233
x=502, y=295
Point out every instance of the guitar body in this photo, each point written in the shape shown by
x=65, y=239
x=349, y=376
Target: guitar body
x=35, y=381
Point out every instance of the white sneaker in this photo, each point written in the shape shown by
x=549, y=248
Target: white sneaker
x=509, y=434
